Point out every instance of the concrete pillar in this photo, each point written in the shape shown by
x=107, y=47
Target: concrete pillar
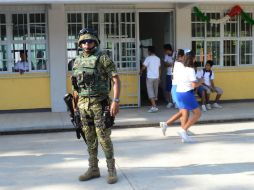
x=57, y=56
x=183, y=27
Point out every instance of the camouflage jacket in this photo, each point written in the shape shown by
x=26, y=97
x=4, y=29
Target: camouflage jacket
x=105, y=69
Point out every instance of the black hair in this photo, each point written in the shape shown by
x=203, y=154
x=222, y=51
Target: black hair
x=151, y=49
x=168, y=47
x=191, y=54
x=179, y=53
x=210, y=62
x=23, y=52
x=197, y=64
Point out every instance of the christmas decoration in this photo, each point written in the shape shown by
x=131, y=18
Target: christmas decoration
x=235, y=11
x=201, y=15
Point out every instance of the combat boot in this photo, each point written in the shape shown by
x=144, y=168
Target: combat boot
x=92, y=172
x=112, y=176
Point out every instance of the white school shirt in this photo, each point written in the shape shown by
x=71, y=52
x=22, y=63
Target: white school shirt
x=177, y=72
x=185, y=81
x=168, y=59
x=207, y=78
x=21, y=65
x=152, y=64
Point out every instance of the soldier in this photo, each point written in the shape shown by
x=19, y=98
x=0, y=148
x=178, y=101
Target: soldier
x=93, y=72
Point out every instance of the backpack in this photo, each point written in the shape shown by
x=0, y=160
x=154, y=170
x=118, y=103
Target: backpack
x=210, y=75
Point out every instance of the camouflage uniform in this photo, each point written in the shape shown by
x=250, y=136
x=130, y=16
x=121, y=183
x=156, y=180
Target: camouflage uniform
x=91, y=111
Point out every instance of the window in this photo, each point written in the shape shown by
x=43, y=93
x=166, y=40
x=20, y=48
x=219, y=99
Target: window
x=246, y=52
x=38, y=56
x=121, y=39
x=205, y=39
x=3, y=27
x=118, y=36
x=229, y=53
x=198, y=26
x=77, y=21
x=3, y=58
x=227, y=44
x=230, y=27
x=28, y=33
x=3, y=45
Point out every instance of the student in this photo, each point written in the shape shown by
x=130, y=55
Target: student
x=186, y=98
x=201, y=92
x=209, y=85
x=41, y=63
x=177, y=75
x=22, y=65
x=152, y=63
x=168, y=62
x=178, y=64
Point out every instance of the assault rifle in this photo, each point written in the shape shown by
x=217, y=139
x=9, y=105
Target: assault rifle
x=75, y=116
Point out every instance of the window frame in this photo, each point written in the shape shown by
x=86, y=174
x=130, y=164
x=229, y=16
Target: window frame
x=74, y=41
x=28, y=42
x=4, y=42
x=117, y=41
x=238, y=38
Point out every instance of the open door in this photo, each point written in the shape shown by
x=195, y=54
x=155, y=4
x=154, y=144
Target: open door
x=157, y=29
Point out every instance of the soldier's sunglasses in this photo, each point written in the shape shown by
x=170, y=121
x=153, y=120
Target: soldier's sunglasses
x=89, y=41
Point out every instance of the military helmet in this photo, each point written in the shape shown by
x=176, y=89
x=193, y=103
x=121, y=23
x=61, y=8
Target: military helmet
x=88, y=34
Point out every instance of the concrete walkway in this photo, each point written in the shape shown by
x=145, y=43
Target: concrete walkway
x=222, y=159
x=135, y=117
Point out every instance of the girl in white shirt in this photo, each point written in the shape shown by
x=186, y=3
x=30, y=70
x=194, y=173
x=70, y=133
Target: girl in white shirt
x=177, y=67
x=186, y=98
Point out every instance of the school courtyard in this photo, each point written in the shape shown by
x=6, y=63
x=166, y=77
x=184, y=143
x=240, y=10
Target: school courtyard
x=221, y=159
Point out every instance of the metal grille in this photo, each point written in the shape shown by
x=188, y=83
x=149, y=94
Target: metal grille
x=3, y=46
x=229, y=52
x=228, y=44
x=198, y=47
x=198, y=26
x=245, y=52
x=120, y=39
x=120, y=43
x=245, y=28
x=29, y=33
x=230, y=27
x=213, y=30
x=77, y=21
x=213, y=51
x=3, y=35
x=3, y=58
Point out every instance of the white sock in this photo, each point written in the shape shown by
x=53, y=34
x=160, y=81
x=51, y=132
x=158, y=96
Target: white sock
x=182, y=130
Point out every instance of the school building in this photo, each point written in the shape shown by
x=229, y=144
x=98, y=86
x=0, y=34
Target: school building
x=48, y=31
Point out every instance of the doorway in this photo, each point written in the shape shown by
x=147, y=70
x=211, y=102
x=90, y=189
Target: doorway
x=156, y=29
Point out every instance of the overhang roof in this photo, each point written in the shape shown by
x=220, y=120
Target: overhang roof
x=116, y=1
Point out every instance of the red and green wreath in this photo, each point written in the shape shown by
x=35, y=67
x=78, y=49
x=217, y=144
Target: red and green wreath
x=236, y=10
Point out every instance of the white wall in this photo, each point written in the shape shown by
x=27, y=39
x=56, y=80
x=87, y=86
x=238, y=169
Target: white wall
x=57, y=56
x=183, y=27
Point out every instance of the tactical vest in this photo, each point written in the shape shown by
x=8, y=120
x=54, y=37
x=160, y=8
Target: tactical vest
x=92, y=79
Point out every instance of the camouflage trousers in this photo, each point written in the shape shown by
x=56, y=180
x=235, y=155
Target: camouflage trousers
x=91, y=115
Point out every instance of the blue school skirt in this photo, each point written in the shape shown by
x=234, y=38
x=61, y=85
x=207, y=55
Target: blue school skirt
x=174, y=96
x=187, y=100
